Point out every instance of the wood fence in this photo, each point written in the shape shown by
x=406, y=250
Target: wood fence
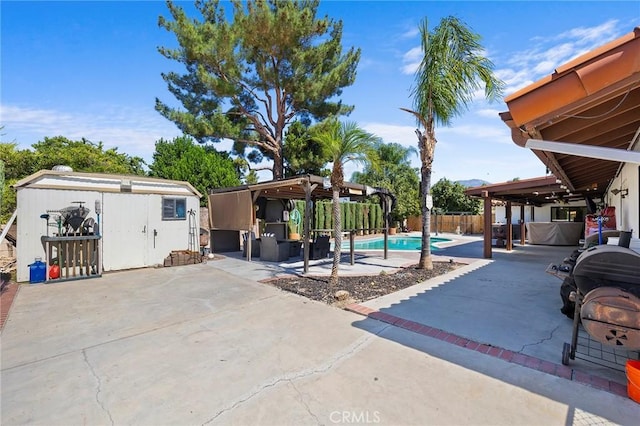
x=451, y=223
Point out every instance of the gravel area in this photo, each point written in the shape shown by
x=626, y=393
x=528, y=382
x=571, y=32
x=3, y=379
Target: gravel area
x=360, y=288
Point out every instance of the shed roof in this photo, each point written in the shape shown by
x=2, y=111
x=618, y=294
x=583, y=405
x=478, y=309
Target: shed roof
x=591, y=100
x=103, y=182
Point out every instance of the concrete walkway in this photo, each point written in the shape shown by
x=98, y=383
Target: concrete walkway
x=208, y=344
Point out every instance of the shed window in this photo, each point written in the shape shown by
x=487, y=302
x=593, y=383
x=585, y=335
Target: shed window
x=174, y=208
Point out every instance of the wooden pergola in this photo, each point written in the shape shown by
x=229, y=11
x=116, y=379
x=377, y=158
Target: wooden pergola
x=238, y=212
x=523, y=192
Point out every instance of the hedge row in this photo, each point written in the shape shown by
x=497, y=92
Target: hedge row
x=363, y=217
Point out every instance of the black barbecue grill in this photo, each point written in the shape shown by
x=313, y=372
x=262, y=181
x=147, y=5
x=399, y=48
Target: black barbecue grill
x=607, y=298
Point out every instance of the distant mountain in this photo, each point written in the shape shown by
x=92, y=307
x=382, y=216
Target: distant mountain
x=470, y=183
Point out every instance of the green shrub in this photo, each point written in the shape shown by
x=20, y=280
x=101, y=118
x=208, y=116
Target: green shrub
x=366, y=207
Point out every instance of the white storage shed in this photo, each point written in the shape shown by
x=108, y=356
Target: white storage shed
x=140, y=220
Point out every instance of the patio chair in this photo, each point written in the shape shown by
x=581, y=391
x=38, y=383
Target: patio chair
x=272, y=250
x=320, y=247
x=255, y=245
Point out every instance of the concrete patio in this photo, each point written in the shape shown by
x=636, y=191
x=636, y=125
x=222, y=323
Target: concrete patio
x=209, y=344
x=507, y=301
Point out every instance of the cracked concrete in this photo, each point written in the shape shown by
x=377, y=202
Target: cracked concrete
x=98, y=385
x=509, y=302
x=539, y=342
x=301, y=398
x=293, y=376
x=201, y=345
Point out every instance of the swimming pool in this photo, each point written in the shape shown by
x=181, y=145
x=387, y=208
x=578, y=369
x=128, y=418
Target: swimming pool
x=399, y=242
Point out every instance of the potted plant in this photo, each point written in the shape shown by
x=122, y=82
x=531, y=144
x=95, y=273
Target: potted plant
x=393, y=229
x=394, y=224
x=294, y=225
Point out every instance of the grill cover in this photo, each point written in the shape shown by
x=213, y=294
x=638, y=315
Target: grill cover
x=608, y=266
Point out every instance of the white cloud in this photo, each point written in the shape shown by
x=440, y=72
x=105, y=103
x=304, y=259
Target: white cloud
x=367, y=63
x=488, y=113
x=524, y=67
x=133, y=131
x=514, y=79
x=544, y=67
x=404, y=135
x=411, y=32
x=489, y=133
x=598, y=34
x=411, y=60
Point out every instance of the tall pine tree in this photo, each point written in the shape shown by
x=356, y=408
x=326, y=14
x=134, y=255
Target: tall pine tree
x=247, y=78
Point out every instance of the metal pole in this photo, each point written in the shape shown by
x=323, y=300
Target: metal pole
x=487, y=225
x=386, y=226
x=435, y=212
x=351, y=244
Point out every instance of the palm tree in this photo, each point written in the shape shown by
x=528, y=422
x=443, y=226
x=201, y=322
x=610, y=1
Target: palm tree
x=343, y=142
x=451, y=72
x=396, y=174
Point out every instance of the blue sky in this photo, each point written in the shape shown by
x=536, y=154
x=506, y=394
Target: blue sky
x=92, y=69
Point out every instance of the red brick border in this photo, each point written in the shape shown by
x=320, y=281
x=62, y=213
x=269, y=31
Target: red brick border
x=528, y=361
x=6, y=299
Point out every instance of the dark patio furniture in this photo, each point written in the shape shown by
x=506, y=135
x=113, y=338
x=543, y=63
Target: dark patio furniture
x=255, y=245
x=272, y=250
x=319, y=249
x=295, y=246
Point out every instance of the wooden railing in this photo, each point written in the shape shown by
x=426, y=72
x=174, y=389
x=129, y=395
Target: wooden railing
x=78, y=257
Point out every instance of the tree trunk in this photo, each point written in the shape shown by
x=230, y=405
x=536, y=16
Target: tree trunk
x=427, y=143
x=337, y=239
x=425, y=188
x=278, y=165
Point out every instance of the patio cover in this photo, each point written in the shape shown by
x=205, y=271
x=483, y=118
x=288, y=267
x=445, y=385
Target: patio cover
x=532, y=192
x=293, y=188
x=591, y=100
x=535, y=191
x=237, y=212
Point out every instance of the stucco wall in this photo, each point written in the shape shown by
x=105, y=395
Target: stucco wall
x=627, y=208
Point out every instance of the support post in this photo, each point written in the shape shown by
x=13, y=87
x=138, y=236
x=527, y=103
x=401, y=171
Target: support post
x=351, y=249
x=487, y=225
x=523, y=227
x=386, y=226
x=306, y=229
x=509, y=228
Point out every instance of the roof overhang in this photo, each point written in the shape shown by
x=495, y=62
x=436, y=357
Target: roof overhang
x=104, y=182
x=293, y=188
x=592, y=100
x=535, y=191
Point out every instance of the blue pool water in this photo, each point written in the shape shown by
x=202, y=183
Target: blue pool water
x=395, y=243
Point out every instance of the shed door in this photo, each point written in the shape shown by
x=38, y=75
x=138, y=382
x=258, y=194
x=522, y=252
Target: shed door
x=125, y=230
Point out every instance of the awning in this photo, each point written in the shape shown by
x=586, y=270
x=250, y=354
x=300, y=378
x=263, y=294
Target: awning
x=592, y=100
x=534, y=191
